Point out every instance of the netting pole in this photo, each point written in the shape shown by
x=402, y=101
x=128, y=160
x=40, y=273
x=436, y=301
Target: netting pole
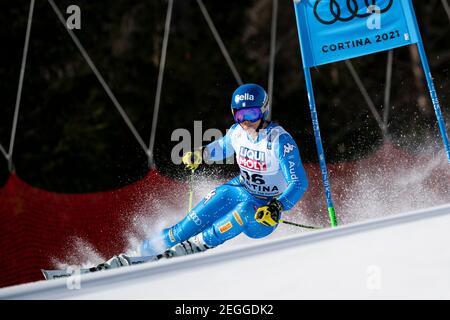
x=162, y=64
x=387, y=91
x=100, y=79
x=20, y=87
x=219, y=42
x=446, y=8
x=273, y=43
x=367, y=98
x=3, y=151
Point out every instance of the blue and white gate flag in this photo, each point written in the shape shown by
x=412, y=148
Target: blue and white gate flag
x=335, y=30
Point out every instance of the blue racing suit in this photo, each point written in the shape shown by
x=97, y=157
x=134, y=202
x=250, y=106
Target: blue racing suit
x=270, y=168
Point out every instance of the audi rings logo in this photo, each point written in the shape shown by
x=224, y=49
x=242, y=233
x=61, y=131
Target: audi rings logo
x=194, y=217
x=347, y=10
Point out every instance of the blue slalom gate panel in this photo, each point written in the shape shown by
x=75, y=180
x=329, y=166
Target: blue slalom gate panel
x=335, y=30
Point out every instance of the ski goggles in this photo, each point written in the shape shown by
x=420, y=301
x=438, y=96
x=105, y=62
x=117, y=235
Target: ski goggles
x=247, y=114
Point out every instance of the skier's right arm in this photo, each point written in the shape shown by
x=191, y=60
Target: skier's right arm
x=221, y=148
x=215, y=151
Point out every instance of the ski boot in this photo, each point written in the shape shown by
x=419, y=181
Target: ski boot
x=115, y=262
x=193, y=245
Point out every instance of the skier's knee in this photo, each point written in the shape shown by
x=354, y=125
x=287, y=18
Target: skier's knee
x=211, y=238
x=238, y=218
x=256, y=230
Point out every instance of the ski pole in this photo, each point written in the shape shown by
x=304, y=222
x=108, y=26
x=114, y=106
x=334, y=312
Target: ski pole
x=191, y=189
x=298, y=225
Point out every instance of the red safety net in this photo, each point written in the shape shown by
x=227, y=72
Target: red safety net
x=37, y=226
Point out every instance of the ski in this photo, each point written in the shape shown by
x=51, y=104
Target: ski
x=71, y=271
x=64, y=273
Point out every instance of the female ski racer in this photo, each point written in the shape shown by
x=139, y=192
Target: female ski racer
x=272, y=180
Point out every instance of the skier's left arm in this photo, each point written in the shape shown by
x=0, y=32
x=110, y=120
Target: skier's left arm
x=293, y=171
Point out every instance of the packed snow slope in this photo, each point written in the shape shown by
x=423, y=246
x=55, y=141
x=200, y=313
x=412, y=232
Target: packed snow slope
x=402, y=256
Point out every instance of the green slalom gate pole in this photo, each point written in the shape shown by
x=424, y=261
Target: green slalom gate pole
x=434, y=99
x=320, y=152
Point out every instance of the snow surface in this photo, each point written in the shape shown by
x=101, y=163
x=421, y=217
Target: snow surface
x=402, y=256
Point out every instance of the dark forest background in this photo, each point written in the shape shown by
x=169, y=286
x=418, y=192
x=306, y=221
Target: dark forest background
x=70, y=137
